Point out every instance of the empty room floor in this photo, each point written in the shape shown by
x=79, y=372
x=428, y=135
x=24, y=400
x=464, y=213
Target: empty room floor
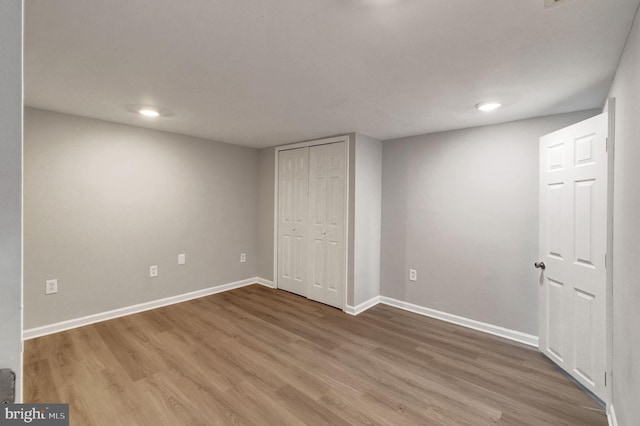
x=260, y=356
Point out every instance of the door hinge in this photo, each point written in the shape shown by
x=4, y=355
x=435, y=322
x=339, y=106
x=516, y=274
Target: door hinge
x=605, y=379
x=606, y=144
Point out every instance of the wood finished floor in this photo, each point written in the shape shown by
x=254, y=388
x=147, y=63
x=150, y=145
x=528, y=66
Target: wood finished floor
x=261, y=356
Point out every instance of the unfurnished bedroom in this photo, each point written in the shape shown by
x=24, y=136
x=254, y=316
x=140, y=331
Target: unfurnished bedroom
x=314, y=212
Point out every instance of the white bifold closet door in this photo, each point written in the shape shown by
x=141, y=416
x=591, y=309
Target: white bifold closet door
x=326, y=266
x=312, y=214
x=293, y=204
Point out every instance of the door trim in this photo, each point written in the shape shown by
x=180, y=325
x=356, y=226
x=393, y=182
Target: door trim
x=610, y=109
x=336, y=139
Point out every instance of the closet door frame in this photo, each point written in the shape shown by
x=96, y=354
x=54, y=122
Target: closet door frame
x=346, y=140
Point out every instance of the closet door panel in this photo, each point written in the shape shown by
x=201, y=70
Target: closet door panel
x=293, y=203
x=326, y=200
x=317, y=207
x=335, y=224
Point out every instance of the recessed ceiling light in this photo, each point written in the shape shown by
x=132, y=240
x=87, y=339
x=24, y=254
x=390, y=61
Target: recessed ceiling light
x=149, y=112
x=488, y=106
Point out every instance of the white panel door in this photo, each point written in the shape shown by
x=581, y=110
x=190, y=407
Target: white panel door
x=572, y=249
x=327, y=187
x=293, y=203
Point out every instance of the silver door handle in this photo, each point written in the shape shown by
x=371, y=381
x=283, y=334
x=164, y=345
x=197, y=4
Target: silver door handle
x=324, y=232
x=540, y=265
x=293, y=230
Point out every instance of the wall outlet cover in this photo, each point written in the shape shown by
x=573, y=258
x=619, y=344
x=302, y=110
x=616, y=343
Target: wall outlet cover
x=243, y=257
x=153, y=271
x=413, y=275
x=182, y=259
x=51, y=287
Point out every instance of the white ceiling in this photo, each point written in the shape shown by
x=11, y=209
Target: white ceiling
x=267, y=72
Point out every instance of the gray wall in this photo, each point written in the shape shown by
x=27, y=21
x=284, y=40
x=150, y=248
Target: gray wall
x=367, y=214
x=11, y=188
x=104, y=201
x=626, y=234
x=266, y=185
x=461, y=208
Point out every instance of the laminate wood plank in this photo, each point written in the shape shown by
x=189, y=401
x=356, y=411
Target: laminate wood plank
x=260, y=407
x=162, y=395
x=39, y=383
x=80, y=411
x=34, y=350
x=416, y=391
x=194, y=363
x=132, y=355
x=116, y=387
x=91, y=348
x=307, y=409
x=368, y=329
x=547, y=397
x=407, y=414
x=292, y=323
x=351, y=409
x=251, y=327
x=447, y=394
x=261, y=356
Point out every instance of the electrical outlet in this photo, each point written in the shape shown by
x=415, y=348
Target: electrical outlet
x=413, y=275
x=243, y=257
x=182, y=259
x=51, y=287
x=153, y=271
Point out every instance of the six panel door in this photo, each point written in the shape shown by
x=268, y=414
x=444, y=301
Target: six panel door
x=311, y=222
x=573, y=241
x=326, y=270
x=293, y=203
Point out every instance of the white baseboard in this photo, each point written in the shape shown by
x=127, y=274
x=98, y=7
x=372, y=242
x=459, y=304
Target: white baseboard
x=352, y=310
x=517, y=336
x=355, y=310
x=264, y=282
x=514, y=335
x=32, y=333
x=611, y=416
